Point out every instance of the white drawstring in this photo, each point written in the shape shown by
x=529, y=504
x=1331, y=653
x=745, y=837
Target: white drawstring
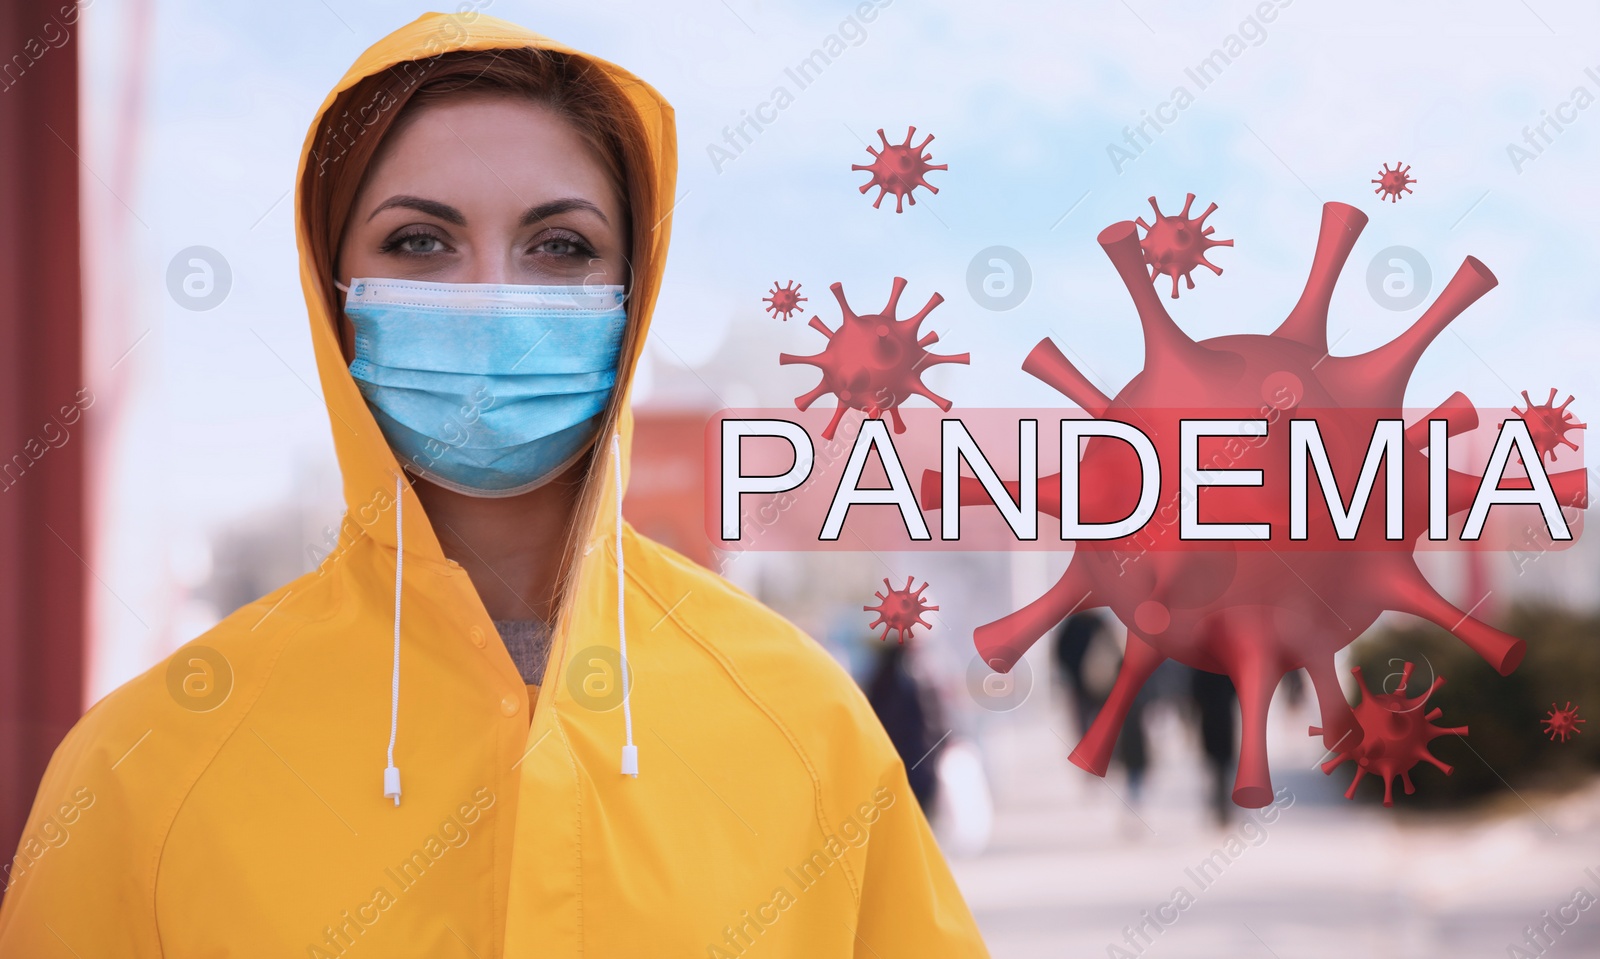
x=391, y=775
x=630, y=752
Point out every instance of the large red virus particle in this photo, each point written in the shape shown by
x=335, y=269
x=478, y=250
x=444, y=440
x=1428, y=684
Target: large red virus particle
x=899, y=168
x=1396, y=736
x=1549, y=424
x=1249, y=610
x=899, y=609
x=1392, y=183
x=783, y=300
x=1562, y=722
x=1174, y=245
x=874, y=362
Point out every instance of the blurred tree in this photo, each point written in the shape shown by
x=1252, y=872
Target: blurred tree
x=1507, y=747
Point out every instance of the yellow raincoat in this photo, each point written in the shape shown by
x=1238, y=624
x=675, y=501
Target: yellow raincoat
x=229, y=802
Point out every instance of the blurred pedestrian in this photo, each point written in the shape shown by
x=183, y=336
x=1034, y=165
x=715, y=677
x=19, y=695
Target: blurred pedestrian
x=910, y=712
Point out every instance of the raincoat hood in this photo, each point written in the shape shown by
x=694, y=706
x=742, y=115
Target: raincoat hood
x=231, y=801
x=365, y=460
x=367, y=463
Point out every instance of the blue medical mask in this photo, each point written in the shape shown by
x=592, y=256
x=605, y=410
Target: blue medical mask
x=485, y=389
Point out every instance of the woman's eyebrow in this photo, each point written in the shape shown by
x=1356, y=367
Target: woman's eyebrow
x=450, y=214
x=555, y=207
x=443, y=211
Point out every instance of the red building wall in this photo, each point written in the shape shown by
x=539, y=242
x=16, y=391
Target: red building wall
x=666, y=482
x=43, y=537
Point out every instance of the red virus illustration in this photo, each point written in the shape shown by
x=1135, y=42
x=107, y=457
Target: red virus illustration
x=1562, y=722
x=1176, y=244
x=899, y=609
x=899, y=168
x=783, y=300
x=1392, y=183
x=1549, y=424
x=874, y=363
x=1249, y=610
x=1395, y=736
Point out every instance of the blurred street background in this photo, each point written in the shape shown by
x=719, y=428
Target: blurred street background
x=201, y=475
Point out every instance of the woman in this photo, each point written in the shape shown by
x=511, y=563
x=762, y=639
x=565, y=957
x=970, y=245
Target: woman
x=357, y=763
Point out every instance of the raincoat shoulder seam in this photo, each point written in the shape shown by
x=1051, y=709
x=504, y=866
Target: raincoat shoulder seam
x=182, y=799
x=188, y=791
x=738, y=679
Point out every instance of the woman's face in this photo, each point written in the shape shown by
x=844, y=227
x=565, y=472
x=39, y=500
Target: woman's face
x=486, y=189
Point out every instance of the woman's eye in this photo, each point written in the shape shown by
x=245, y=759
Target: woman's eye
x=415, y=244
x=562, y=246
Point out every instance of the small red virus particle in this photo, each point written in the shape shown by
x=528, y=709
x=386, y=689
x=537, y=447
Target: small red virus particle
x=873, y=363
x=899, y=168
x=1549, y=424
x=783, y=300
x=1563, y=722
x=1176, y=244
x=1396, y=736
x=899, y=609
x=1392, y=183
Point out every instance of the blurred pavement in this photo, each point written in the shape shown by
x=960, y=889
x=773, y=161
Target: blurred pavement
x=1070, y=865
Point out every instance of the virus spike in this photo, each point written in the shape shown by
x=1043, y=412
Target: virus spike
x=805, y=400
x=1047, y=363
x=932, y=359
x=893, y=305
x=1255, y=678
x=1307, y=323
x=1361, y=682
x=1360, y=771
x=922, y=314
x=921, y=389
x=1438, y=763
x=833, y=424
x=1093, y=752
x=1164, y=342
x=1405, y=679
x=1380, y=376
x=1339, y=728
x=1413, y=594
x=1002, y=642
x=844, y=304
x=1457, y=411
